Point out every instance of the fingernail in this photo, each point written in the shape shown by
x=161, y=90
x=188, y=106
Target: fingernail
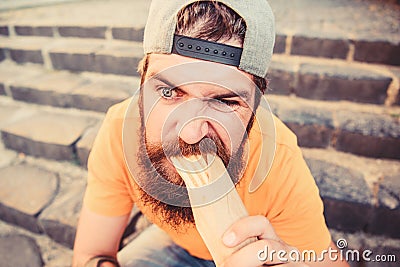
x=229, y=239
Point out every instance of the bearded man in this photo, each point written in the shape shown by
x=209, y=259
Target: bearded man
x=203, y=78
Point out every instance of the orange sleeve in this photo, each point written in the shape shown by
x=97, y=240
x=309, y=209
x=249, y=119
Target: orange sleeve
x=297, y=215
x=107, y=192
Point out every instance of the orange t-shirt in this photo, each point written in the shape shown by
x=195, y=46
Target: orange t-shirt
x=288, y=196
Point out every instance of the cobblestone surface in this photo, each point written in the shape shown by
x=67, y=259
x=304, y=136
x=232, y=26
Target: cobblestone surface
x=52, y=253
x=19, y=244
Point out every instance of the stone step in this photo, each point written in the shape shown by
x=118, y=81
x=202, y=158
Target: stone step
x=74, y=54
x=320, y=35
x=44, y=131
x=358, y=192
x=334, y=80
x=23, y=51
x=35, y=84
x=366, y=130
x=123, y=32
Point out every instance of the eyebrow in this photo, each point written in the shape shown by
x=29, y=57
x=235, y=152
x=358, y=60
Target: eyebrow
x=161, y=78
x=241, y=93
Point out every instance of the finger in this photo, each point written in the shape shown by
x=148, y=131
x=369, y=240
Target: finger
x=250, y=226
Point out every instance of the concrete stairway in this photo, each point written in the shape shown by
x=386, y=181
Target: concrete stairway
x=334, y=81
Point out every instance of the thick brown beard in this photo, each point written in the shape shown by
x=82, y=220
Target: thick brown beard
x=158, y=180
x=157, y=176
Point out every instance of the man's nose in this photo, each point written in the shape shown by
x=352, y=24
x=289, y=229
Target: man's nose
x=194, y=130
x=192, y=124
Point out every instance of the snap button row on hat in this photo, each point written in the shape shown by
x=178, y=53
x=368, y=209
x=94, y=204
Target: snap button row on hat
x=198, y=48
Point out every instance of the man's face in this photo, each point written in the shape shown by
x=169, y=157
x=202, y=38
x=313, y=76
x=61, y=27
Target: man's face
x=183, y=102
x=191, y=99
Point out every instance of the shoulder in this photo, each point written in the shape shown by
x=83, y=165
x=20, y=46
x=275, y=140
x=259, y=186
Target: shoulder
x=118, y=111
x=273, y=130
x=112, y=125
x=109, y=137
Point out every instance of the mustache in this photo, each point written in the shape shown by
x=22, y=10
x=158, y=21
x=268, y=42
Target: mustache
x=208, y=145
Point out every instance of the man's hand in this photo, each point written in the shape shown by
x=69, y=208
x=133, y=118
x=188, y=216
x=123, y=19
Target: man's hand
x=248, y=256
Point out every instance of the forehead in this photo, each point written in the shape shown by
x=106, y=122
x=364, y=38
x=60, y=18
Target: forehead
x=184, y=70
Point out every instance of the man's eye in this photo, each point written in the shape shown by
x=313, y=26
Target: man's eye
x=224, y=105
x=230, y=103
x=167, y=93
